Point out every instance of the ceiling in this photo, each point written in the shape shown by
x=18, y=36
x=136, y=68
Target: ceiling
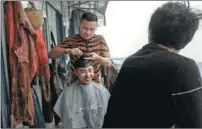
x=99, y=6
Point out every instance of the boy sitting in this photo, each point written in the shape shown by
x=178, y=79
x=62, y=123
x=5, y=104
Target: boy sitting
x=84, y=103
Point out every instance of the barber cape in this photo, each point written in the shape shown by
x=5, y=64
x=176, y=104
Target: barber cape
x=82, y=106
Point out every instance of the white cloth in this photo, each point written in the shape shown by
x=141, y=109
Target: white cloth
x=81, y=106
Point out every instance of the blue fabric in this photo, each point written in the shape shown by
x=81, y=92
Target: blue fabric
x=62, y=60
x=5, y=117
x=39, y=119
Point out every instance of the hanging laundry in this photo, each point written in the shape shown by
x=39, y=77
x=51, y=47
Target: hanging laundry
x=39, y=119
x=5, y=91
x=5, y=114
x=43, y=71
x=75, y=21
x=58, y=81
x=23, y=62
x=44, y=76
x=36, y=18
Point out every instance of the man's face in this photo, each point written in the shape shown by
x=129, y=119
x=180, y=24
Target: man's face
x=85, y=75
x=87, y=29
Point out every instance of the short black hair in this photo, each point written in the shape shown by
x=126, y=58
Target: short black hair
x=173, y=25
x=83, y=61
x=89, y=16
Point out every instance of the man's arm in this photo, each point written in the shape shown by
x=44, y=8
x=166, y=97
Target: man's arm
x=104, y=57
x=106, y=61
x=187, y=96
x=58, y=52
x=64, y=48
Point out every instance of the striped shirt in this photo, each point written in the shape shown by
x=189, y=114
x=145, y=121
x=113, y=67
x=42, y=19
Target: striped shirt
x=96, y=44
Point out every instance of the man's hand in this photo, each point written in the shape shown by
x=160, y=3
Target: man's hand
x=76, y=52
x=106, y=61
x=95, y=56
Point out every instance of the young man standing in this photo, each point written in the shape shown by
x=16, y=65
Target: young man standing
x=83, y=104
x=156, y=86
x=85, y=42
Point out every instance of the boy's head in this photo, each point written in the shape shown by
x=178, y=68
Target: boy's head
x=84, y=69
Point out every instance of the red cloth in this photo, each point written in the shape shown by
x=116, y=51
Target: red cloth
x=41, y=48
x=23, y=62
x=44, y=72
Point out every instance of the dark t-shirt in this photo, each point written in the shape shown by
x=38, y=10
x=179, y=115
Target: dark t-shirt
x=156, y=88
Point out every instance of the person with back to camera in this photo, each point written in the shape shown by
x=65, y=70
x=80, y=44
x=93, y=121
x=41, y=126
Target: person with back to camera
x=157, y=87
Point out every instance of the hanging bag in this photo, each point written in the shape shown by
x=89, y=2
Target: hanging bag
x=35, y=15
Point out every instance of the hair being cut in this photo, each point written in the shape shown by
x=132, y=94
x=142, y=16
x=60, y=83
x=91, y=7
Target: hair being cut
x=173, y=25
x=83, y=61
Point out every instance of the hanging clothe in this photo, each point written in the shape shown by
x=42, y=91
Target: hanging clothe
x=38, y=115
x=5, y=108
x=23, y=62
x=59, y=78
x=44, y=75
x=43, y=71
x=58, y=81
x=75, y=21
x=5, y=90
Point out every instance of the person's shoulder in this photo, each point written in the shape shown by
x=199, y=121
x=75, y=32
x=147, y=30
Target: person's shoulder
x=187, y=76
x=180, y=60
x=99, y=87
x=72, y=37
x=186, y=59
x=187, y=64
x=69, y=88
x=97, y=37
x=162, y=57
x=75, y=36
x=175, y=58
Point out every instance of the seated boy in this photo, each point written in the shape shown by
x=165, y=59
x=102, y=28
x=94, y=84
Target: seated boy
x=84, y=103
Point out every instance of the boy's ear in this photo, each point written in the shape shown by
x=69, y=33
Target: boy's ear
x=74, y=72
